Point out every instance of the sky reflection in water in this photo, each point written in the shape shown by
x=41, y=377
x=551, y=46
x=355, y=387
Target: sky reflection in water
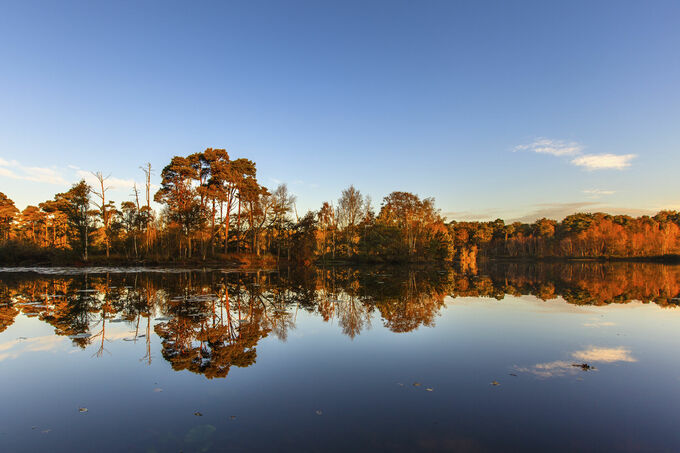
x=342, y=359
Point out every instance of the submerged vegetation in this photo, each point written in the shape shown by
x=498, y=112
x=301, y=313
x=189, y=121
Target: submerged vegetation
x=214, y=209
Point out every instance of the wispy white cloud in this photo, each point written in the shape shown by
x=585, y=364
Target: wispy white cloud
x=598, y=323
x=559, y=211
x=481, y=215
x=553, y=147
x=61, y=176
x=300, y=182
x=15, y=170
x=8, y=173
x=597, y=193
x=603, y=161
x=587, y=161
x=555, y=210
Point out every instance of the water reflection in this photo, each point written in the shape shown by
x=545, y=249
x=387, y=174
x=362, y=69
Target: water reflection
x=580, y=361
x=372, y=359
x=209, y=321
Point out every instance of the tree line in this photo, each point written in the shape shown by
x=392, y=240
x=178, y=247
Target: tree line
x=214, y=208
x=580, y=235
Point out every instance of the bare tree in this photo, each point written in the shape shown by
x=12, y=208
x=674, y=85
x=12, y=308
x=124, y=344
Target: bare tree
x=147, y=215
x=147, y=180
x=105, y=209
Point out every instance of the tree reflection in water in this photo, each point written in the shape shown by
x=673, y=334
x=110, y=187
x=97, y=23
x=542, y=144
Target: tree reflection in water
x=209, y=321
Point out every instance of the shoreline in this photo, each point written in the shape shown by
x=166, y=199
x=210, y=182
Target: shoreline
x=267, y=263
x=662, y=259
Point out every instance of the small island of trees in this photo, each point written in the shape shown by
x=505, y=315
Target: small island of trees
x=215, y=210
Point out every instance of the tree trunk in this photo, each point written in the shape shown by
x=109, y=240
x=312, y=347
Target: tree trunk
x=238, y=228
x=226, y=231
x=212, y=229
x=86, y=240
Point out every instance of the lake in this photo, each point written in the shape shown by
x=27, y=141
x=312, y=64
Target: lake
x=503, y=357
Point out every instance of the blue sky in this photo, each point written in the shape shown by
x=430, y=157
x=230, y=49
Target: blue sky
x=496, y=109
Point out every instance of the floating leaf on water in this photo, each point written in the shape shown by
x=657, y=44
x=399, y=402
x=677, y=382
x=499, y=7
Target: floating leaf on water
x=495, y=383
x=429, y=389
x=82, y=409
x=198, y=414
x=583, y=366
x=416, y=384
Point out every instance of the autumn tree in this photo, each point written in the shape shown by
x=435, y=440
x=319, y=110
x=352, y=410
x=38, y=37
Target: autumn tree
x=327, y=223
x=283, y=202
x=75, y=205
x=129, y=217
x=31, y=220
x=8, y=212
x=179, y=195
x=416, y=219
x=259, y=204
x=226, y=179
x=351, y=210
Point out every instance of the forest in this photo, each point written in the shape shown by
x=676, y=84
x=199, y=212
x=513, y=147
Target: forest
x=213, y=209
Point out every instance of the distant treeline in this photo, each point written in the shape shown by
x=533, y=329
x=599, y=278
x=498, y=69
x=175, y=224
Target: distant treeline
x=581, y=235
x=215, y=209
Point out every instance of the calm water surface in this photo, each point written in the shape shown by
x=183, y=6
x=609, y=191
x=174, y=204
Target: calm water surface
x=507, y=357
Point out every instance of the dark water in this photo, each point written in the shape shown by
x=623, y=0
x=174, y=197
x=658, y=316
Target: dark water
x=585, y=358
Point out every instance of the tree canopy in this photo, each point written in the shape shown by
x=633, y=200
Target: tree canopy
x=214, y=208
